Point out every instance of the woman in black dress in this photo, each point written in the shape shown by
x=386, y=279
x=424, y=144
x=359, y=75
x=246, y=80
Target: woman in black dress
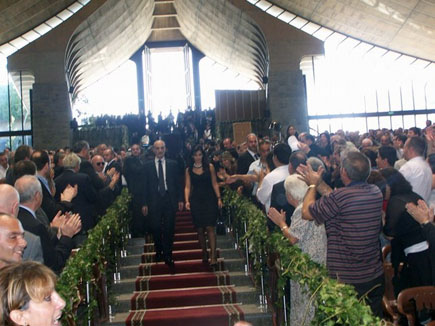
x=202, y=197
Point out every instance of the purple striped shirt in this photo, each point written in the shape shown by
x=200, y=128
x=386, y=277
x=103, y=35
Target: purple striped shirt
x=352, y=218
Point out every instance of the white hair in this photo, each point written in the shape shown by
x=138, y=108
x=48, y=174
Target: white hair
x=295, y=187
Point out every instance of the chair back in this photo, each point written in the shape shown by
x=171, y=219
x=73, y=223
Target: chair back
x=412, y=300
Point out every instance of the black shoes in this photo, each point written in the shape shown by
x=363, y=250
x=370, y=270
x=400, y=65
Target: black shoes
x=170, y=263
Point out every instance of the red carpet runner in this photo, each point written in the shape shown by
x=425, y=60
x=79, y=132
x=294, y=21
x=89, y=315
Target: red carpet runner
x=194, y=295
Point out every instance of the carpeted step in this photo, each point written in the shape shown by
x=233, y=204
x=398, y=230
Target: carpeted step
x=185, y=228
x=178, y=245
x=183, y=297
x=193, y=254
x=185, y=266
x=147, y=283
x=219, y=315
x=186, y=236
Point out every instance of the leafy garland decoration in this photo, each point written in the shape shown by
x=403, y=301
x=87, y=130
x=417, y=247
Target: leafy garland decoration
x=336, y=303
x=97, y=252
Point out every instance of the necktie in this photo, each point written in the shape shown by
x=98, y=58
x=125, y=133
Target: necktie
x=256, y=156
x=161, y=179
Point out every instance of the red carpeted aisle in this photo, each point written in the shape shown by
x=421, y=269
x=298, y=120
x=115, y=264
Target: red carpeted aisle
x=195, y=295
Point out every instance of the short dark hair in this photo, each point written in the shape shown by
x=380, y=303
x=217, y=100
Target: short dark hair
x=310, y=137
x=22, y=168
x=402, y=138
x=418, y=145
x=23, y=152
x=282, y=153
x=415, y=130
x=77, y=148
x=371, y=154
x=357, y=166
x=58, y=156
x=389, y=153
x=397, y=182
x=297, y=158
x=40, y=158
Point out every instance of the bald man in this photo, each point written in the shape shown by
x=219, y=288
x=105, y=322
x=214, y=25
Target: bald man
x=12, y=242
x=162, y=195
x=10, y=203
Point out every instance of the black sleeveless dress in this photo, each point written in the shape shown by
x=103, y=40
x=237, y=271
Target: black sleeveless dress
x=203, y=201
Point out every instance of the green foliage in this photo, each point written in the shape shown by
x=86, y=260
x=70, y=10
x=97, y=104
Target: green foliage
x=336, y=303
x=99, y=248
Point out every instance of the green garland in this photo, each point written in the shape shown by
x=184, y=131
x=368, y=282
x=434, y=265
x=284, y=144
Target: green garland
x=336, y=303
x=101, y=245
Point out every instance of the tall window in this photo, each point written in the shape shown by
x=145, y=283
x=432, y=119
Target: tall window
x=15, y=107
x=168, y=80
x=114, y=94
x=357, y=92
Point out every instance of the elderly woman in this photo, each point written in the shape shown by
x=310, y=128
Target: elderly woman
x=28, y=296
x=309, y=237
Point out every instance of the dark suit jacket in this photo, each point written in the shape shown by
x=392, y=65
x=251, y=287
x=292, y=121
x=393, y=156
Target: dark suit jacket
x=133, y=173
x=55, y=253
x=279, y=201
x=50, y=205
x=87, y=168
x=151, y=185
x=244, y=162
x=85, y=201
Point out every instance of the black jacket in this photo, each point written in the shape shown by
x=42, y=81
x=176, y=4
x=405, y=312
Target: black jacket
x=55, y=251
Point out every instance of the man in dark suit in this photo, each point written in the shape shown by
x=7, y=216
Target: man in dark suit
x=162, y=194
x=85, y=202
x=249, y=156
x=50, y=206
x=81, y=148
x=55, y=250
x=278, y=199
x=112, y=163
x=133, y=170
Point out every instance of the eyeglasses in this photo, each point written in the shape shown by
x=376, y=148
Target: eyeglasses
x=100, y=163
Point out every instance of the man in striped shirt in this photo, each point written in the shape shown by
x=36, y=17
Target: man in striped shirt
x=352, y=218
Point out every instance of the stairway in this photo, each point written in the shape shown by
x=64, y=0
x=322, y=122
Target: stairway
x=195, y=295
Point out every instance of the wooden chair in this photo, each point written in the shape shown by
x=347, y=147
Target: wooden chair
x=389, y=302
x=412, y=300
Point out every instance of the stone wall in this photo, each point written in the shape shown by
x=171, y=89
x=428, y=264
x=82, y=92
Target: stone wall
x=51, y=115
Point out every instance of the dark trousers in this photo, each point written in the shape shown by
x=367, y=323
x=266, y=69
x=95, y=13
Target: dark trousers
x=138, y=227
x=162, y=224
x=373, y=291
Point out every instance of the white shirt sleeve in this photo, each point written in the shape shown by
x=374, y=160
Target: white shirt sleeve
x=264, y=192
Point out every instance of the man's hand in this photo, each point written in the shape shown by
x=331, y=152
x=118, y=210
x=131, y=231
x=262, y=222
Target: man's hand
x=231, y=179
x=145, y=210
x=111, y=172
x=58, y=220
x=277, y=217
x=69, y=193
x=421, y=213
x=114, y=180
x=308, y=175
x=180, y=205
x=72, y=226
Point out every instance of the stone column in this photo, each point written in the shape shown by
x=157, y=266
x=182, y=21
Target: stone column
x=196, y=57
x=137, y=59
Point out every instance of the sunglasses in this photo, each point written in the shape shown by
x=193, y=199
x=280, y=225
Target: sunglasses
x=100, y=163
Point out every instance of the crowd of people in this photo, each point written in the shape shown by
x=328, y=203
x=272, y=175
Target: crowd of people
x=340, y=198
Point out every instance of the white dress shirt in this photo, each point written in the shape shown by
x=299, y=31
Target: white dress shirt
x=419, y=175
x=264, y=192
x=156, y=162
x=255, y=168
x=3, y=171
